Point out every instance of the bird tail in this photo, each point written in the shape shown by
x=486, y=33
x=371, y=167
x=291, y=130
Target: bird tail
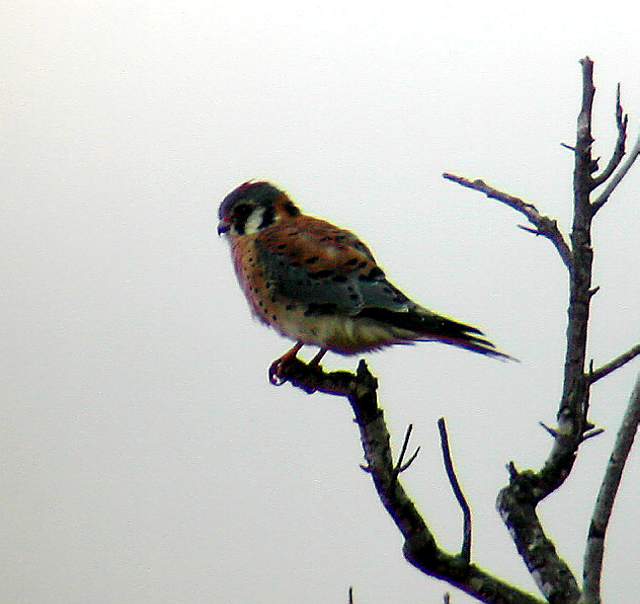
x=421, y=325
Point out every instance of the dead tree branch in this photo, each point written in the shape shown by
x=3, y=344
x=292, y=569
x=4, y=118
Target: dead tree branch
x=401, y=465
x=622, y=120
x=594, y=553
x=517, y=502
x=610, y=367
x=465, y=552
x=617, y=178
x=544, y=226
x=420, y=547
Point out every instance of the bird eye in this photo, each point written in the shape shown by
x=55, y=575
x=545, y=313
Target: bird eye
x=242, y=211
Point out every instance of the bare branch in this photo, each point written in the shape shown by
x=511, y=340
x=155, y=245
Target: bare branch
x=550, y=431
x=584, y=162
x=622, y=120
x=420, y=547
x=400, y=465
x=606, y=496
x=575, y=394
x=517, y=502
x=529, y=229
x=617, y=178
x=411, y=459
x=544, y=226
x=465, y=552
x=597, y=374
x=592, y=434
x=350, y=595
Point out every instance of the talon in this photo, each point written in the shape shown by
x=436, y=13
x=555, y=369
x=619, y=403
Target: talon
x=277, y=368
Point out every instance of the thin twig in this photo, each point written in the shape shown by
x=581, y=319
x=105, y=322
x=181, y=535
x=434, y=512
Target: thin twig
x=400, y=465
x=597, y=374
x=606, y=496
x=616, y=178
x=544, y=226
x=592, y=433
x=551, y=431
x=411, y=459
x=457, y=491
x=350, y=595
x=622, y=120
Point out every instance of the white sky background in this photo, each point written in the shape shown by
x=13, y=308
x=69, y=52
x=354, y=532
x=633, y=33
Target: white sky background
x=145, y=458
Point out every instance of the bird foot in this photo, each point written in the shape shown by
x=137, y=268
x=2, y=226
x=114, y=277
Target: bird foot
x=276, y=371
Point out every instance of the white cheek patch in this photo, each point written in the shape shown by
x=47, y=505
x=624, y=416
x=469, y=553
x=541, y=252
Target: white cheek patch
x=254, y=221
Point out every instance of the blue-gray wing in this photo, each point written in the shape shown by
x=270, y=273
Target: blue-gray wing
x=324, y=269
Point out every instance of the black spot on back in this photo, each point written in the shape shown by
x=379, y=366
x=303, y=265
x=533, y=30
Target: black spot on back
x=321, y=274
x=326, y=308
x=374, y=274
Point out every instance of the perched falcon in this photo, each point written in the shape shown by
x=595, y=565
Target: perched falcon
x=318, y=284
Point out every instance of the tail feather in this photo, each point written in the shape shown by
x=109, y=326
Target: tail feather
x=426, y=326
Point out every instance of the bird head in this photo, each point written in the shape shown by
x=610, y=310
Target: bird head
x=252, y=207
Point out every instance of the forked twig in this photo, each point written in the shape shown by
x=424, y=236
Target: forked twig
x=400, y=465
x=616, y=178
x=622, y=119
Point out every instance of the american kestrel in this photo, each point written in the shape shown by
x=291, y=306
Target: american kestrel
x=318, y=284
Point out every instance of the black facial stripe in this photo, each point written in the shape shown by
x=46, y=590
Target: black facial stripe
x=268, y=218
x=291, y=209
x=240, y=216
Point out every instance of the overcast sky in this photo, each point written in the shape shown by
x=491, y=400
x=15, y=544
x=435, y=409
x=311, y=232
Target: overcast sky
x=145, y=457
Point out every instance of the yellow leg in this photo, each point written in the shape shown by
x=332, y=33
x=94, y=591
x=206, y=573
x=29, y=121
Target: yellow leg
x=315, y=361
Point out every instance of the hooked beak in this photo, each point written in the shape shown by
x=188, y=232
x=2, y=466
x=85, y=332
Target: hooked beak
x=223, y=227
